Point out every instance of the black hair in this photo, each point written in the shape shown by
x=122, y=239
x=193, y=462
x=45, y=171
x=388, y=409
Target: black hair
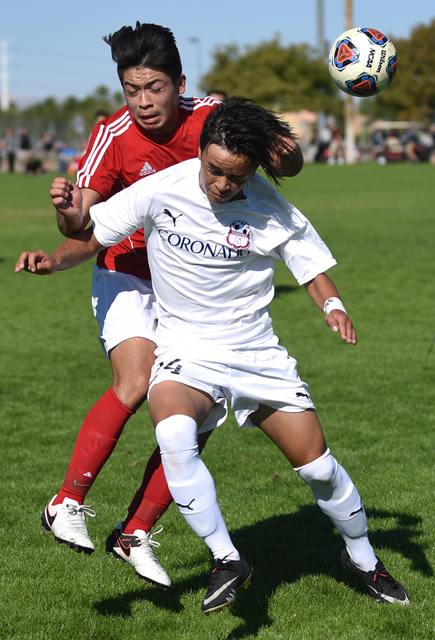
x=246, y=129
x=146, y=46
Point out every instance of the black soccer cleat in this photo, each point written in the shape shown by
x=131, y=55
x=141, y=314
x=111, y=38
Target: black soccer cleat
x=226, y=579
x=382, y=586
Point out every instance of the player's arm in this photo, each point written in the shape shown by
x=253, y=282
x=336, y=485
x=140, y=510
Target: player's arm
x=83, y=246
x=288, y=159
x=324, y=294
x=121, y=220
x=70, y=220
x=69, y=254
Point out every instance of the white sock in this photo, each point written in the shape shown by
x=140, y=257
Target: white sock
x=339, y=499
x=191, y=484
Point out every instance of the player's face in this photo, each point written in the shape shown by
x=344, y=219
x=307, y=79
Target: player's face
x=223, y=174
x=152, y=99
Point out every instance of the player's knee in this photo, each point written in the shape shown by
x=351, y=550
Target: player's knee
x=131, y=389
x=177, y=438
x=323, y=470
x=176, y=434
x=140, y=385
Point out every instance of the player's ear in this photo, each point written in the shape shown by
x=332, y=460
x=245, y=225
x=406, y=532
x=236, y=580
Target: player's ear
x=199, y=153
x=182, y=84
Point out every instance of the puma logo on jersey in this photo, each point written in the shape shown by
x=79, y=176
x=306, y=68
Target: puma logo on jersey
x=146, y=170
x=173, y=218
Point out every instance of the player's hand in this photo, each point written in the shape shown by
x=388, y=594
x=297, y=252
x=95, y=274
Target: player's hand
x=38, y=262
x=66, y=197
x=339, y=321
x=288, y=157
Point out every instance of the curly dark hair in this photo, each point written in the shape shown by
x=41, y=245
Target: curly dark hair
x=246, y=129
x=148, y=45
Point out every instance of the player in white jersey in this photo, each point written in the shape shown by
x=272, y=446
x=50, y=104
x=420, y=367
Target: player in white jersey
x=215, y=222
x=157, y=128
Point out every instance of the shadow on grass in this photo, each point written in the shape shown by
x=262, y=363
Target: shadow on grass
x=282, y=289
x=120, y=606
x=403, y=538
x=282, y=550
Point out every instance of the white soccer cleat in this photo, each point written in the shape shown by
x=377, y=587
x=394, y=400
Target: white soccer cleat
x=137, y=550
x=67, y=523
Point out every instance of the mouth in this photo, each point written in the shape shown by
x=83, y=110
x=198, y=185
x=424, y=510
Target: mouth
x=149, y=119
x=220, y=198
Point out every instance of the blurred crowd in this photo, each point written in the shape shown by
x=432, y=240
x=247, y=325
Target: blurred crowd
x=18, y=152
x=24, y=153
x=383, y=145
x=21, y=152
x=410, y=145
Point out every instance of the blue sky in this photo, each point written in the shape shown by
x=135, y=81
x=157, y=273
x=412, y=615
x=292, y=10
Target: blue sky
x=55, y=48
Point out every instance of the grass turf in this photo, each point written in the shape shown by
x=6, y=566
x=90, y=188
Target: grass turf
x=375, y=401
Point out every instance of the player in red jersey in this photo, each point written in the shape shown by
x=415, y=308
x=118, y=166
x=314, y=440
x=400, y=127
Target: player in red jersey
x=156, y=129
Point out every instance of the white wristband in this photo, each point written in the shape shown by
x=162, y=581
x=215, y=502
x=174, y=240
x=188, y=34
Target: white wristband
x=333, y=303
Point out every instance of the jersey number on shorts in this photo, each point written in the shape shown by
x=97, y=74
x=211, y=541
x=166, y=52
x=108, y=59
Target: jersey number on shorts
x=175, y=370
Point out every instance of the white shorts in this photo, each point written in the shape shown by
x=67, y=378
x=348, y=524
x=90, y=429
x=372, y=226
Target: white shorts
x=124, y=306
x=248, y=377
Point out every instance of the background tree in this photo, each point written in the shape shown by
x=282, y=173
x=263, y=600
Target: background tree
x=411, y=96
x=276, y=77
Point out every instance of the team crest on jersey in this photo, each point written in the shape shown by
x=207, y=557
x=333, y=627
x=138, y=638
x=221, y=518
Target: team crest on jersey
x=239, y=234
x=146, y=170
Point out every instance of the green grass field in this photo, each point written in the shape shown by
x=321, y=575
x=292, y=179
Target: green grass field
x=375, y=401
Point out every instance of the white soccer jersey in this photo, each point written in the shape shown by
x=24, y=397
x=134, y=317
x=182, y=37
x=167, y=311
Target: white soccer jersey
x=212, y=265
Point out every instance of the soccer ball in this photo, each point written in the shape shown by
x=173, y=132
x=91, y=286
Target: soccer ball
x=362, y=62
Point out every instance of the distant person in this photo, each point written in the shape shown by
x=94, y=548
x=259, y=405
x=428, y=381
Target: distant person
x=2, y=152
x=24, y=150
x=410, y=141
x=48, y=141
x=10, y=149
x=34, y=166
x=100, y=115
x=214, y=229
x=335, y=149
x=432, y=145
x=24, y=139
x=393, y=144
x=218, y=94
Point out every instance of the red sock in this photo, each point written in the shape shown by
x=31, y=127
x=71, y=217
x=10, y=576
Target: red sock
x=152, y=498
x=97, y=438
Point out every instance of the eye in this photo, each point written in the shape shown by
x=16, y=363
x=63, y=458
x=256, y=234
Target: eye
x=157, y=88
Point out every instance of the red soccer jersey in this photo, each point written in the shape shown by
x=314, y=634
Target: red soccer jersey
x=120, y=152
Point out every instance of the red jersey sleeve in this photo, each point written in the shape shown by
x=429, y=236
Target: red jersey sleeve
x=101, y=166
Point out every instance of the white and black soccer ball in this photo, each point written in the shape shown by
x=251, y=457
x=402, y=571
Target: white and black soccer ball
x=362, y=62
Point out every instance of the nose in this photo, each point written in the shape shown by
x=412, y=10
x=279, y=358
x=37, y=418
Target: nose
x=223, y=184
x=145, y=99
